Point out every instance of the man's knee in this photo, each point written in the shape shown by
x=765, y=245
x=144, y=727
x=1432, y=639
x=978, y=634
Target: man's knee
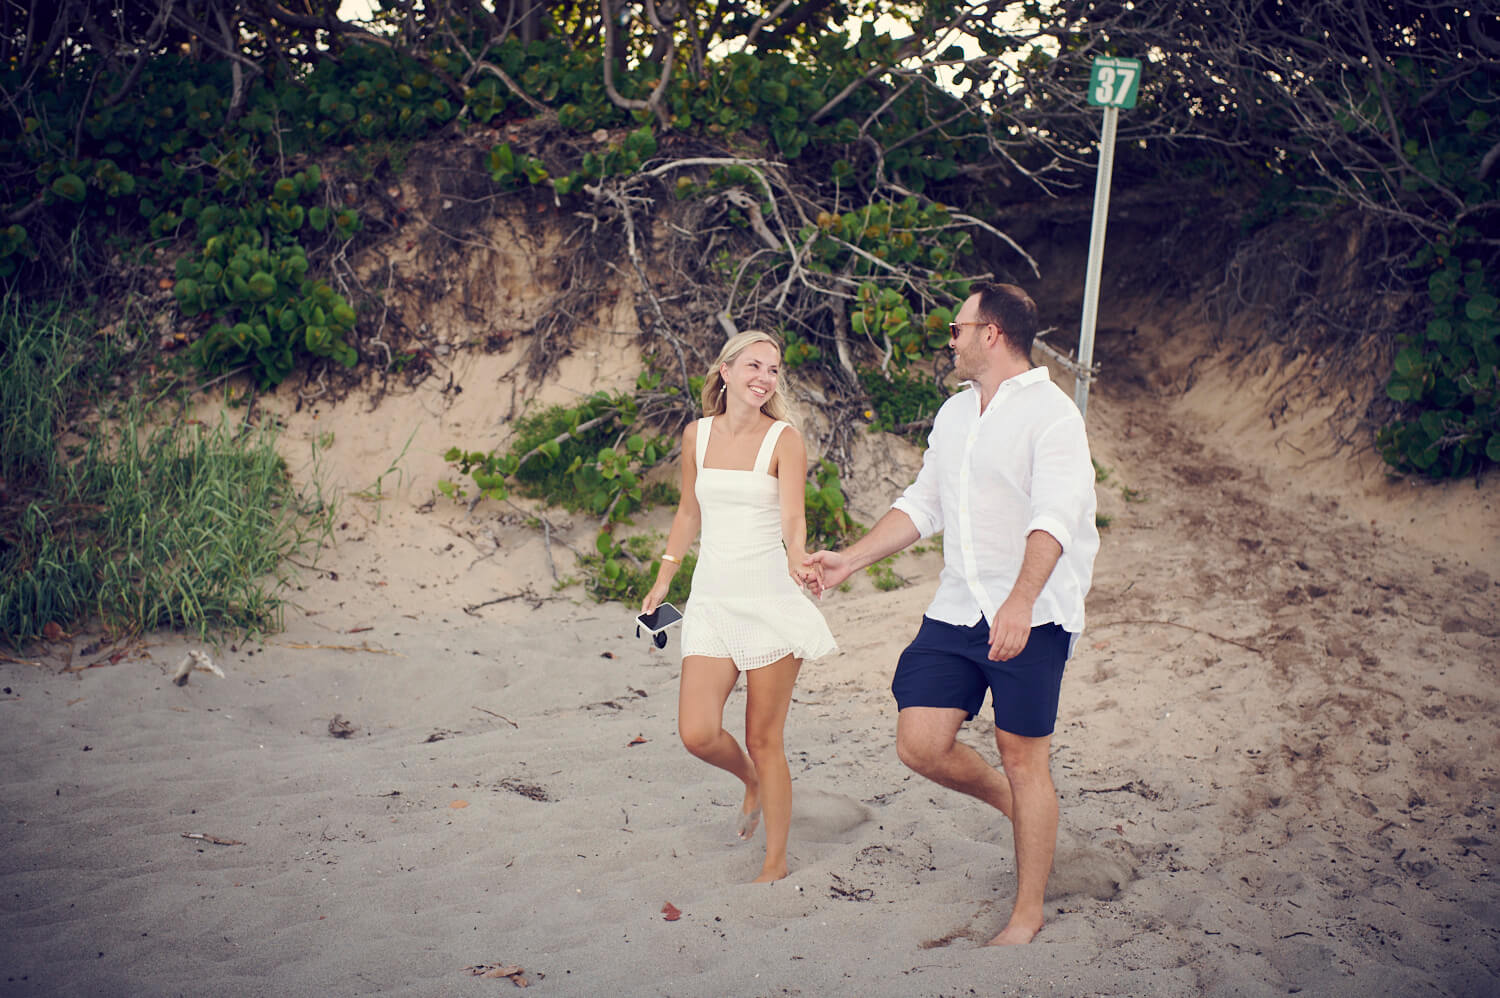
x=920, y=753
x=1024, y=760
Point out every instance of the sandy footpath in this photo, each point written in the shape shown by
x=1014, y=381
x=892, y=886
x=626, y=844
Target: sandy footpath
x=1277, y=755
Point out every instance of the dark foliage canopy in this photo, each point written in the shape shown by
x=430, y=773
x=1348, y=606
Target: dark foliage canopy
x=1372, y=117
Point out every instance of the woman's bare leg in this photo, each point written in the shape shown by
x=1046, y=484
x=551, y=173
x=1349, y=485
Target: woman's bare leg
x=705, y=687
x=769, y=695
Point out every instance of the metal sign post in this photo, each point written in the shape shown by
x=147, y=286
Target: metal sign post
x=1113, y=84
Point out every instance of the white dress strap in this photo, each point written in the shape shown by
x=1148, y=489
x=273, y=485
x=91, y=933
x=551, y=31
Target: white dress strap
x=704, y=425
x=767, y=446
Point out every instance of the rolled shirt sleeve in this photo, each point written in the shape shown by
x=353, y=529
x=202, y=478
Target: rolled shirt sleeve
x=1053, y=526
x=1060, y=490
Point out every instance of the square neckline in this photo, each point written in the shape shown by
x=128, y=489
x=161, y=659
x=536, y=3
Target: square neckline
x=771, y=433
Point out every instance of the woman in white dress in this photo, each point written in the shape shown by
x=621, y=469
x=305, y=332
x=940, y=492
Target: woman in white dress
x=743, y=474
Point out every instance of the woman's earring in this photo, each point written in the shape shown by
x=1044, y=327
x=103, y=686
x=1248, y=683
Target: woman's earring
x=722, y=386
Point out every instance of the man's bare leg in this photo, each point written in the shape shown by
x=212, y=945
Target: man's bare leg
x=1034, y=818
x=706, y=685
x=768, y=697
x=927, y=742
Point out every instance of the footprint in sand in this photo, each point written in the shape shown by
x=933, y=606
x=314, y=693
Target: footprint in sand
x=1082, y=868
x=820, y=816
x=1078, y=867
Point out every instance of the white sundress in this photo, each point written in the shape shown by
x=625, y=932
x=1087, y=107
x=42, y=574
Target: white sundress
x=743, y=604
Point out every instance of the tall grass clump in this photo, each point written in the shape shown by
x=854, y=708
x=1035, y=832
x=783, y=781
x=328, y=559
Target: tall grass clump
x=41, y=361
x=198, y=523
x=143, y=523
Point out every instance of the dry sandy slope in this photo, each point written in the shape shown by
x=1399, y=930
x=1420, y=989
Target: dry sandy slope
x=1277, y=756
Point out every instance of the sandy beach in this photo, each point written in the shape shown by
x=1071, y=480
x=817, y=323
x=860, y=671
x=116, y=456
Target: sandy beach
x=1277, y=752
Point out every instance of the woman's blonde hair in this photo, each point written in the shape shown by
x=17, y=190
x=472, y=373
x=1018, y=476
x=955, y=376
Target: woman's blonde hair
x=777, y=406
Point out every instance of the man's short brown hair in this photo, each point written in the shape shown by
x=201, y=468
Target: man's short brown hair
x=1012, y=309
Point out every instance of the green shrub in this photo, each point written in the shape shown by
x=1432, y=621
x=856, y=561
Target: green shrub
x=901, y=398
x=1446, y=380
x=613, y=575
x=797, y=351
x=581, y=458
x=883, y=574
x=828, y=522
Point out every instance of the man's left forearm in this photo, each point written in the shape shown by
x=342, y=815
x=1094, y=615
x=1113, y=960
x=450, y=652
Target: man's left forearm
x=1042, y=553
x=1011, y=627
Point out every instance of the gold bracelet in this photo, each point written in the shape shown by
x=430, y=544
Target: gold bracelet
x=667, y=557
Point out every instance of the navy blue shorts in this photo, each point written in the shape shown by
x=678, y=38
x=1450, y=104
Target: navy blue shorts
x=947, y=665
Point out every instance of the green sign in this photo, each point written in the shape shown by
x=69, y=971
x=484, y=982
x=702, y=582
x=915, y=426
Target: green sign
x=1114, y=82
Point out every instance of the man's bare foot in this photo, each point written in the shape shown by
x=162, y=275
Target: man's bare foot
x=1017, y=933
x=770, y=875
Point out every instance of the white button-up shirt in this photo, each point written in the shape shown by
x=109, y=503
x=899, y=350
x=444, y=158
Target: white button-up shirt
x=988, y=480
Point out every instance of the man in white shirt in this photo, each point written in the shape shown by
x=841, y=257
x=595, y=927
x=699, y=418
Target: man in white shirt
x=1008, y=481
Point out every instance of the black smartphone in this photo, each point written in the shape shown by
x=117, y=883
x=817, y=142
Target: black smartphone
x=660, y=619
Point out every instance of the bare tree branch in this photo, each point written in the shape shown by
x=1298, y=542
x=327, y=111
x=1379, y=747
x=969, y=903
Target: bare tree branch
x=654, y=103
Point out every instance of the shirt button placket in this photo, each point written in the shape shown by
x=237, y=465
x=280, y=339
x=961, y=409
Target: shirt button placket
x=965, y=521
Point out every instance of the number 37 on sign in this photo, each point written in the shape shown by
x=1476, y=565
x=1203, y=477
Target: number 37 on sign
x=1114, y=82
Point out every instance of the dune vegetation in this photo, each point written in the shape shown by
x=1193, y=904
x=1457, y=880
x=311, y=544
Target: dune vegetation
x=190, y=186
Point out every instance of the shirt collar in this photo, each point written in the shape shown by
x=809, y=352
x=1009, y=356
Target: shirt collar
x=1027, y=377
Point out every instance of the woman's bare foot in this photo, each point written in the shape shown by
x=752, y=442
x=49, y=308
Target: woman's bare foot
x=749, y=817
x=1018, y=933
x=771, y=874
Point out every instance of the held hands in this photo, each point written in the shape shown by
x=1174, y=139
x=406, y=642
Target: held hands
x=826, y=570
x=1011, y=629
x=796, y=567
